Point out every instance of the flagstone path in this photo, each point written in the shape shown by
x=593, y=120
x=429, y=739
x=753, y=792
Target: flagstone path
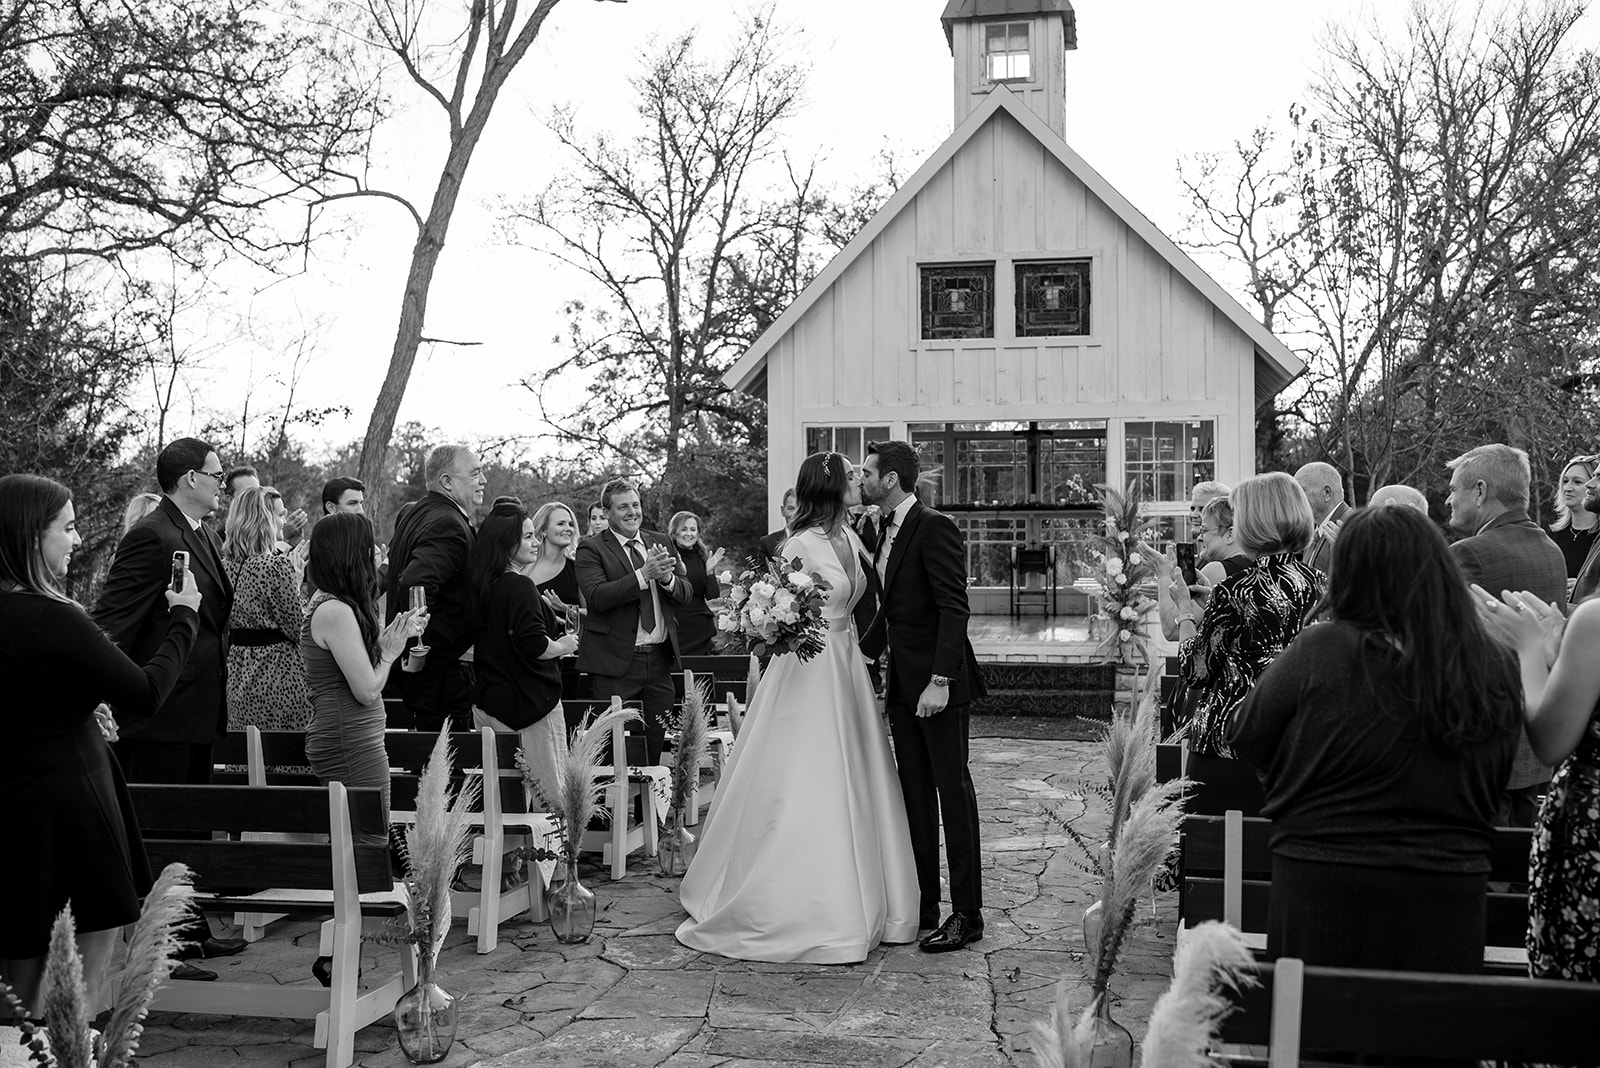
x=633, y=996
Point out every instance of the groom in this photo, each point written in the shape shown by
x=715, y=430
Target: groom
x=933, y=677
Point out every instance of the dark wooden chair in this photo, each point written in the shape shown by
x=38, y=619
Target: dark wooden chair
x=1036, y=561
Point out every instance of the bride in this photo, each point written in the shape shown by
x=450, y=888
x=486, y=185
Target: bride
x=806, y=854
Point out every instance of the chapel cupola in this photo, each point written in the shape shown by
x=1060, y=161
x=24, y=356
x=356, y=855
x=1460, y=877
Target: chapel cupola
x=1021, y=44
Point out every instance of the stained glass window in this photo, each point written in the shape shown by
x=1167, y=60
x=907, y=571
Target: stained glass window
x=1053, y=298
x=1005, y=52
x=957, y=301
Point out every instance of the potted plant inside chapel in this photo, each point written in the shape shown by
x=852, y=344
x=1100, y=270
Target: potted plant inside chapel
x=572, y=801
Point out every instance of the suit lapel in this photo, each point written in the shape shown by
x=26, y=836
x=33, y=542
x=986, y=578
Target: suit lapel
x=902, y=539
x=619, y=552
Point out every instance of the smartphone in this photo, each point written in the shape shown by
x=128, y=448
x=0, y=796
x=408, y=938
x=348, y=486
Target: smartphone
x=180, y=570
x=1186, y=563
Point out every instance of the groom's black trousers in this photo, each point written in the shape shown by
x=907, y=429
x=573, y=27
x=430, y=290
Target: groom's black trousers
x=932, y=756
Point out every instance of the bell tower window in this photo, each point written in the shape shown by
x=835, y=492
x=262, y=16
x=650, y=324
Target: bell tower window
x=1006, y=56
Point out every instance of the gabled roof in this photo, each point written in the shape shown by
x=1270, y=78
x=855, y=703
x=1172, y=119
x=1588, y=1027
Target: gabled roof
x=1275, y=363
x=989, y=9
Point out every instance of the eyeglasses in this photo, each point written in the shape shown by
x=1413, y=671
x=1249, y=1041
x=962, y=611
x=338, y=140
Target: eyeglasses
x=215, y=476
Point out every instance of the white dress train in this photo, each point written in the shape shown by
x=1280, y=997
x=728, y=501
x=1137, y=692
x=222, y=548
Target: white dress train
x=806, y=854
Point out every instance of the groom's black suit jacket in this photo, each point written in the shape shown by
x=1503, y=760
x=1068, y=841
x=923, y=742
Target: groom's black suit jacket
x=922, y=610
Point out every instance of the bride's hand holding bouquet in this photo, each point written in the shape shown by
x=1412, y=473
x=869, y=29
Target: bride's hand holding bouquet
x=773, y=610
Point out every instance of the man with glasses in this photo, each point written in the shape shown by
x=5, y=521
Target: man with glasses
x=432, y=542
x=174, y=745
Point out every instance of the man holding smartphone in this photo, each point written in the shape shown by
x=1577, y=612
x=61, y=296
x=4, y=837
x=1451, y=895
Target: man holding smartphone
x=632, y=582
x=174, y=745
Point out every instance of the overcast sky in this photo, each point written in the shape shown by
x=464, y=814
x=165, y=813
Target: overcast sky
x=1151, y=80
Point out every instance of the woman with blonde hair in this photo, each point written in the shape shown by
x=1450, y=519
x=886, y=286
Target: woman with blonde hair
x=1248, y=621
x=555, y=575
x=266, y=674
x=1575, y=526
x=696, y=626
x=139, y=506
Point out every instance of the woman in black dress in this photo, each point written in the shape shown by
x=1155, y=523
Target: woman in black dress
x=696, y=624
x=58, y=774
x=1575, y=527
x=1383, y=736
x=555, y=532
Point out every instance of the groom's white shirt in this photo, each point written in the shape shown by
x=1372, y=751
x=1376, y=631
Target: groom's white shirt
x=895, y=520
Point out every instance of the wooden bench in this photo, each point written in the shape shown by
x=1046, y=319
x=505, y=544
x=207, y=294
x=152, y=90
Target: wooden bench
x=1469, y=1018
x=1227, y=875
x=347, y=875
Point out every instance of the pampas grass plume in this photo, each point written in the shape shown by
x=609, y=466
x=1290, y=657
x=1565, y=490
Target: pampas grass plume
x=1148, y=835
x=65, y=1005
x=439, y=842
x=573, y=799
x=1183, y=1026
x=153, y=946
x=691, y=747
x=1065, y=1040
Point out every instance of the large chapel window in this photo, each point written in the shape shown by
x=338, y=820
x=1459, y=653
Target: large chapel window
x=1167, y=459
x=1006, y=56
x=957, y=301
x=1052, y=298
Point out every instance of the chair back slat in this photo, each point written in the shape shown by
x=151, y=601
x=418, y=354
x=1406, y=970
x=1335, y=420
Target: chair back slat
x=1203, y=840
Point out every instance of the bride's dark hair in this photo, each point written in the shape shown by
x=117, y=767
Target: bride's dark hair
x=819, y=491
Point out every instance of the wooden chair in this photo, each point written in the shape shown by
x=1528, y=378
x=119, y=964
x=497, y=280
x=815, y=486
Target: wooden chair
x=503, y=822
x=1036, y=561
x=1227, y=875
x=1465, y=1018
x=347, y=875
x=626, y=834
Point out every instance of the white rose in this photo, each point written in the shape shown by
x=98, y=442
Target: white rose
x=762, y=589
x=783, y=599
x=1122, y=580
x=1133, y=558
x=1113, y=566
x=788, y=616
x=726, y=622
x=1123, y=635
x=725, y=578
x=758, y=616
x=1122, y=535
x=1128, y=613
x=800, y=580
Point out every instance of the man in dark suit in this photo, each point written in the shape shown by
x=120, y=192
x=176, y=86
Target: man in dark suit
x=933, y=678
x=174, y=745
x=631, y=581
x=1324, y=488
x=771, y=544
x=432, y=541
x=1505, y=550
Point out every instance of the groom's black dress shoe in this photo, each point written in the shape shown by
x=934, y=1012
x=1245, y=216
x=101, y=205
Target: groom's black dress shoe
x=960, y=929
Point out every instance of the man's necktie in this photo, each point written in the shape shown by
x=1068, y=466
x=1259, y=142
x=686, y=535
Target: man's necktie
x=880, y=558
x=647, y=604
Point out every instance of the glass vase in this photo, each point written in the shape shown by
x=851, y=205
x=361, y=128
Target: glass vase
x=570, y=906
x=675, y=850
x=1113, y=1044
x=426, y=1018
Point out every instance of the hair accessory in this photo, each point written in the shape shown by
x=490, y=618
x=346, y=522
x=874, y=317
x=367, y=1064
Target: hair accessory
x=826, y=470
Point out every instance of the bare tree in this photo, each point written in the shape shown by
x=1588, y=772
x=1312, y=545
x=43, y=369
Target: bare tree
x=462, y=73
x=1427, y=233
x=669, y=227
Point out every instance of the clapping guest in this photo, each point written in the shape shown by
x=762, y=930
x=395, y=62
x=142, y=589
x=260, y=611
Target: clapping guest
x=1575, y=526
x=1221, y=557
x=75, y=838
x=696, y=625
x=1248, y=621
x=347, y=658
x=555, y=529
x=519, y=642
x=266, y=676
x=1561, y=687
x=1382, y=737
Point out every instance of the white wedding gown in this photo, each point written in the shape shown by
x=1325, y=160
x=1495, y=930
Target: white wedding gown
x=806, y=854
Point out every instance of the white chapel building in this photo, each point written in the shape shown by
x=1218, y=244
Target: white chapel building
x=1022, y=324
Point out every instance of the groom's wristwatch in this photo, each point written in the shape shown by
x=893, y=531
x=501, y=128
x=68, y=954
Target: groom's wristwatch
x=939, y=680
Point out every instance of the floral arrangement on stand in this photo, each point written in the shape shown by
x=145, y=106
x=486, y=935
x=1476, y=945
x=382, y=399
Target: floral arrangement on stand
x=675, y=849
x=1142, y=831
x=152, y=953
x=572, y=801
x=435, y=847
x=773, y=609
x=1124, y=568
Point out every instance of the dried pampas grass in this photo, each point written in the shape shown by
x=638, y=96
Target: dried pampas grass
x=437, y=844
x=574, y=798
x=690, y=751
x=1148, y=834
x=65, y=1001
x=153, y=946
x=1212, y=959
x=1066, y=1040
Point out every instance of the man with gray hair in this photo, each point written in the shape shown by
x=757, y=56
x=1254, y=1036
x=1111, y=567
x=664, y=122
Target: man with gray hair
x=1398, y=496
x=1325, y=490
x=432, y=541
x=1505, y=550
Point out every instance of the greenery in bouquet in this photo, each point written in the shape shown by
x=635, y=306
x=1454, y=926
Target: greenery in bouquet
x=773, y=609
x=1125, y=568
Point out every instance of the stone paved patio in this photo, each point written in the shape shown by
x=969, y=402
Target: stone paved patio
x=633, y=996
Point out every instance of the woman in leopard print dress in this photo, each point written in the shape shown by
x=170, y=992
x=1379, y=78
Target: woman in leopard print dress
x=1561, y=682
x=266, y=676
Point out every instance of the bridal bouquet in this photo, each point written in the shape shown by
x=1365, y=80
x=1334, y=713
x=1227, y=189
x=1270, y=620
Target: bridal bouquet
x=771, y=610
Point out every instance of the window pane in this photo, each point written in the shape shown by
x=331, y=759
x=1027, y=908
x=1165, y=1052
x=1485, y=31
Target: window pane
x=819, y=439
x=1052, y=298
x=1017, y=32
x=1019, y=67
x=847, y=440
x=1167, y=459
x=990, y=540
x=1070, y=466
x=994, y=37
x=958, y=301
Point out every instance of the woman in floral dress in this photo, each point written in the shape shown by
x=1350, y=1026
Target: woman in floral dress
x=266, y=676
x=1561, y=685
